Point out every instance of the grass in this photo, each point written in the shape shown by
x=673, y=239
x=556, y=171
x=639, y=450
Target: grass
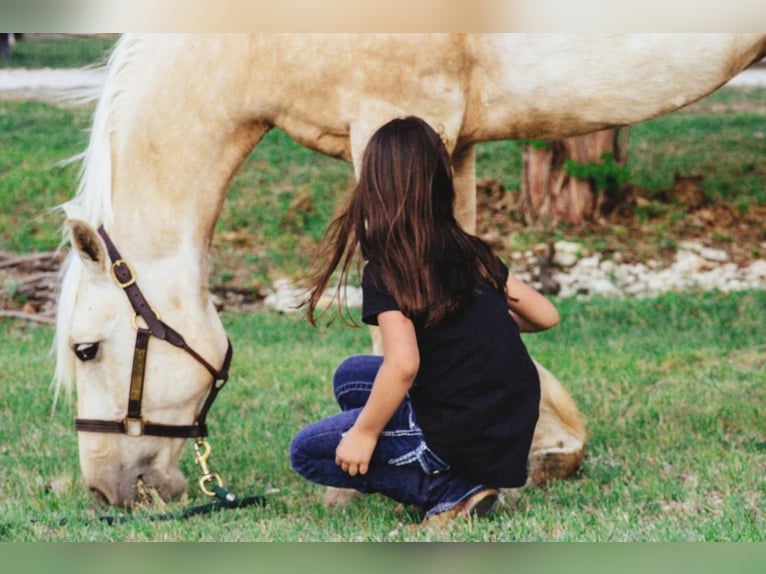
x=34, y=138
x=672, y=389
x=53, y=51
x=726, y=147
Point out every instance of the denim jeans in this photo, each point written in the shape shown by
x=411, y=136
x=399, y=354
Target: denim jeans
x=402, y=466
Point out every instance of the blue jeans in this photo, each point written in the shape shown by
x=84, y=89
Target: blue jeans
x=402, y=466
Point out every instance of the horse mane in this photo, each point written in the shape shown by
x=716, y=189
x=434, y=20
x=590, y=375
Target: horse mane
x=92, y=202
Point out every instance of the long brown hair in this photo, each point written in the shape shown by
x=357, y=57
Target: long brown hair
x=401, y=218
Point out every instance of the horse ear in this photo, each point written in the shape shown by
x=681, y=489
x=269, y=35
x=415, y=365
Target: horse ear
x=89, y=246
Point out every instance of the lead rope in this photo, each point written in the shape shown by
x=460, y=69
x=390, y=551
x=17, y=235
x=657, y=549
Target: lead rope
x=111, y=520
x=210, y=483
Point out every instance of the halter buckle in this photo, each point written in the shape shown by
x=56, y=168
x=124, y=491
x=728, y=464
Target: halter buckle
x=134, y=426
x=134, y=318
x=127, y=282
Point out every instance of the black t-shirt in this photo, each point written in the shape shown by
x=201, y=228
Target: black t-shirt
x=477, y=393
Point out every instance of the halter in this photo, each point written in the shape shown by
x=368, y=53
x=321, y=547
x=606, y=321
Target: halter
x=134, y=424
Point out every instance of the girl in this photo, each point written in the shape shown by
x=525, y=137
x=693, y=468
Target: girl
x=445, y=417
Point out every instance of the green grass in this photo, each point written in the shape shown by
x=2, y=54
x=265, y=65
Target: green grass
x=34, y=138
x=726, y=147
x=672, y=389
x=56, y=52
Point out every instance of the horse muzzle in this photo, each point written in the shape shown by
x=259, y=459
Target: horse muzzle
x=136, y=487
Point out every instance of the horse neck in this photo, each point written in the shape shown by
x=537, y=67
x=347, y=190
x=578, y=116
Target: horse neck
x=174, y=142
x=168, y=196
x=164, y=210
x=160, y=211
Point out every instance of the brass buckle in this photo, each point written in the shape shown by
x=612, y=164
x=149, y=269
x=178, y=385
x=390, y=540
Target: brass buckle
x=130, y=281
x=134, y=318
x=134, y=427
x=207, y=478
x=201, y=454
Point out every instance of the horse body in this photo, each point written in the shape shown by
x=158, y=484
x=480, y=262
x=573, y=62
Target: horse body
x=179, y=113
x=329, y=92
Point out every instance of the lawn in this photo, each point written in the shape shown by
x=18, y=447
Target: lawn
x=59, y=51
x=672, y=389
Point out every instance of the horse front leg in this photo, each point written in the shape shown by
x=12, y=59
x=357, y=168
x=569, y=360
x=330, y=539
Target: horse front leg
x=559, y=440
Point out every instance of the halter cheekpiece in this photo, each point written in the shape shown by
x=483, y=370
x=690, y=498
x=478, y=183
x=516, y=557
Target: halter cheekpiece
x=134, y=424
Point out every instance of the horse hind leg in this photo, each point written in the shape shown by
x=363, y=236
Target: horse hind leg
x=558, y=444
x=334, y=496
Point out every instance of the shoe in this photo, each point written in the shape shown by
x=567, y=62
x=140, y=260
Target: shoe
x=481, y=505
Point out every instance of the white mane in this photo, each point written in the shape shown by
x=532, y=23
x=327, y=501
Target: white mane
x=93, y=200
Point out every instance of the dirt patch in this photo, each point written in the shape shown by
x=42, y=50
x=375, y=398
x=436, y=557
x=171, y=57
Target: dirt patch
x=643, y=226
x=28, y=285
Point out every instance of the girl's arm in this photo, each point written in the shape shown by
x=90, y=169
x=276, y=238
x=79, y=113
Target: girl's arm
x=531, y=310
x=401, y=361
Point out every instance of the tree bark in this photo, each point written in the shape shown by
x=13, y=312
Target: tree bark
x=549, y=193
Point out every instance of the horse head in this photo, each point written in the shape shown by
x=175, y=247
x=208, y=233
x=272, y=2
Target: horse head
x=142, y=387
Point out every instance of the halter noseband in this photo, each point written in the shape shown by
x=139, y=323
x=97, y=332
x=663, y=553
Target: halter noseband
x=134, y=424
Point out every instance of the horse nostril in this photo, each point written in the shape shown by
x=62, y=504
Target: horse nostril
x=99, y=496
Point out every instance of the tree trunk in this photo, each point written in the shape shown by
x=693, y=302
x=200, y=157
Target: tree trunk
x=550, y=193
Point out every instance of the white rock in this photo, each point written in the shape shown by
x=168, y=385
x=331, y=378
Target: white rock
x=756, y=270
x=566, y=253
x=718, y=255
x=564, y=259
x=656, y=284
x=589, y=263
x=607, y=266
x=637, y=288
x=691, y=245
x=602, y=286
x=688, y=262
x=285, y=297
x=587, y=276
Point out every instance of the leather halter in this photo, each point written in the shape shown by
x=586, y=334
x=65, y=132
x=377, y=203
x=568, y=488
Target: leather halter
x=134, y=424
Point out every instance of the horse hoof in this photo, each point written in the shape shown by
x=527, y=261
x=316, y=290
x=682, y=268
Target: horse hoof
x=338, y=496
x=553, y=464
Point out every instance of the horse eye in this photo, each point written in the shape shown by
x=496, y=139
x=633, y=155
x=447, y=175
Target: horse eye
x=86, y=351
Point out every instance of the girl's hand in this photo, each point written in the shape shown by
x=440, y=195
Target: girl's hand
x=531, y=310
x=355, y=451
x=401, y=361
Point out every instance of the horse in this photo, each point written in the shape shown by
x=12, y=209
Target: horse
x=177, y=116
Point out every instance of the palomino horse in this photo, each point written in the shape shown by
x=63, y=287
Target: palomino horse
x=178, y=115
